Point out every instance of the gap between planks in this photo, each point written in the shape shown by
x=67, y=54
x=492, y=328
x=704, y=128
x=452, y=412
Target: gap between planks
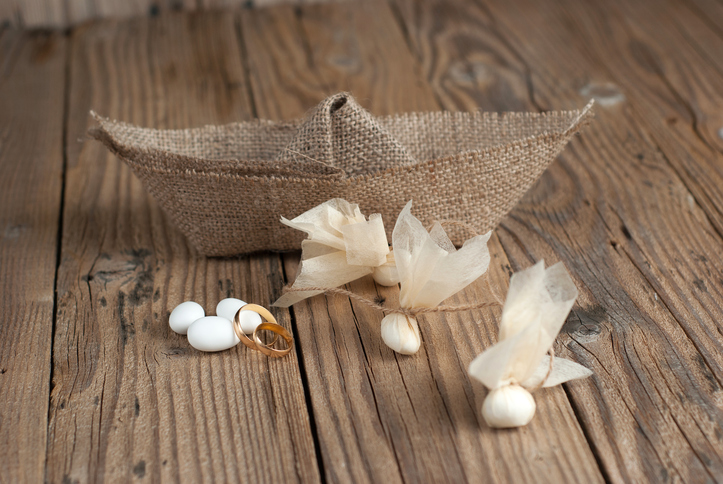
x=59, y=235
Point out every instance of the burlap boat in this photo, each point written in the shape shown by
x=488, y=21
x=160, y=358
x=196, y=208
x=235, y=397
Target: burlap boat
x=227, y=186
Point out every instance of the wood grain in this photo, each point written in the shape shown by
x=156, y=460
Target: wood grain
x=633, y=208
x=70, y=13
x=382, y=416
x=674, y=73
x=359, y=48
x=7, y=15
x=32, y=90
x=618, y=214
x=132, y=399
x=273, y=38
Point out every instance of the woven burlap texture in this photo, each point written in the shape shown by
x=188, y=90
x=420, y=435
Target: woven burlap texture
x=226, y=187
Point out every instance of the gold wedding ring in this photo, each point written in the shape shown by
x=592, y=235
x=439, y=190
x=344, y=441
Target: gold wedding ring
x=261, y=311
x=269, y=325
x=279, y=331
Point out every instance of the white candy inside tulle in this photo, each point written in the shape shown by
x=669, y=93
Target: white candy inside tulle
x=387, y=274
x=537, y=304
x=429, y=269
x=508, y=406
x=401, y=333
x=184, y=315
x=342, y=246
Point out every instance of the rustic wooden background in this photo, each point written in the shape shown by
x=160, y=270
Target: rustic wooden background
x=67, y=13
x=95, y=387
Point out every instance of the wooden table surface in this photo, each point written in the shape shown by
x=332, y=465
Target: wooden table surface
x=94, y=386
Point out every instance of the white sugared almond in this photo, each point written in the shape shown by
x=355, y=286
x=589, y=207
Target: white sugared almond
x=212, y=333
x=249, y=320
x=184, y=315
x=228, y=308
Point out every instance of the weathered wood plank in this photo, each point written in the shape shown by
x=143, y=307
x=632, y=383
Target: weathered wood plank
x=673, y=64
x=32, y=88
x=376, y=68
x=7, y=15
x=41, y=13
x=698, y=24
x=273, y=38
x=710, y=12
x=381, y=416
x=132, y=398
x=69, y=13
x=620, y=218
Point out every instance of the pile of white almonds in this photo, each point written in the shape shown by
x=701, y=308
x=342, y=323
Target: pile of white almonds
x=212, y=333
